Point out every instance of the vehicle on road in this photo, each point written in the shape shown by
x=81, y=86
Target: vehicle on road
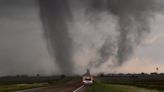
x=87, y=78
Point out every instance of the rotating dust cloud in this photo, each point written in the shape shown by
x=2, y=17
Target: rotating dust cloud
x=133, y=18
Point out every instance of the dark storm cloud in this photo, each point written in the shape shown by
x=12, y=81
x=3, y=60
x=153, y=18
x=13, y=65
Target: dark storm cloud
x=133, y=24
x=134, y=18
x=23, y=51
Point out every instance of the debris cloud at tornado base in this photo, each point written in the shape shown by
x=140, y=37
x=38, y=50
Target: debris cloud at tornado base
x=132, y=16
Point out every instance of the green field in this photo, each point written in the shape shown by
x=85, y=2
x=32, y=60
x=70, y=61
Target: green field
x=15, y=87
x=98, y=86
x=10, y=86
x=101, y=87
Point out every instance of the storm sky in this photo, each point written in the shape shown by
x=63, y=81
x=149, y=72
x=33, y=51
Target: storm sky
x=23, y=48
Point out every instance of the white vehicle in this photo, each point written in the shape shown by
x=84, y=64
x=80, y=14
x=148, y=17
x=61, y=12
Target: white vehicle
x=87, y=78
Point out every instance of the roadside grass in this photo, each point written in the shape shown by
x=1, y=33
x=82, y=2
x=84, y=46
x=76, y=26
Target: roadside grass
x=23, y=86
x=102, y=87
x=15, y=87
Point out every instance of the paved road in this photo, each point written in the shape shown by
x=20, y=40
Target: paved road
x=70, y=87
x=81, y=89
x=57, y=89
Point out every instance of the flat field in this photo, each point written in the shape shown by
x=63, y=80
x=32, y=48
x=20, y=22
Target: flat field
x=8, y=85
x=102, y=87
x=15, y=87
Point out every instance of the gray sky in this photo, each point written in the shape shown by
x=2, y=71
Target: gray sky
x=23, y=48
